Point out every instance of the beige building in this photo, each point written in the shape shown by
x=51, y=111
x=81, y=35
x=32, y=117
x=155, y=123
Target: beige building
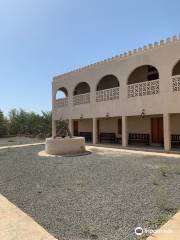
x=130, y=99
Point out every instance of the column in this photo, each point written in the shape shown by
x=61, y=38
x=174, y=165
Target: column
x=53, y=128
x=94, y=131
x=71, y=126
x=167, y=132
x=124, y=131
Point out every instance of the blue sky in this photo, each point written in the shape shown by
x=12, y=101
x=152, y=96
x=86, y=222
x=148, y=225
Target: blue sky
x=43, y=38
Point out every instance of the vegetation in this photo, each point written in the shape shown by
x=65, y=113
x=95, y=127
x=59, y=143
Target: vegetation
x=22, y=123
x=3, y=125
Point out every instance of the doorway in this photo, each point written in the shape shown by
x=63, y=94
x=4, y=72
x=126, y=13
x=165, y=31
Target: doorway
x=157, y=134
x=76, y=129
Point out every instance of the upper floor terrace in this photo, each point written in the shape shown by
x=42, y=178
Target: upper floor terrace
x=131, y=82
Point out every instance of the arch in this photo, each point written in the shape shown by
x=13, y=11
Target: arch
x=106, y=82
x=81, y=88
x=176, y=69
x=61, y=93
x=142, y=74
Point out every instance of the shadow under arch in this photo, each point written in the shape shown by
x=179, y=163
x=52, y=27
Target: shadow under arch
x=142, y=74
x=81, y=88
x=176, y=69
x=106, y=82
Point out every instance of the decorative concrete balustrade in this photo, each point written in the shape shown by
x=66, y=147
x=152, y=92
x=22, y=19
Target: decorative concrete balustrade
x=143, y=88
x=81, y=99
x=107, y=94
x=61, y=102
x=176, y=83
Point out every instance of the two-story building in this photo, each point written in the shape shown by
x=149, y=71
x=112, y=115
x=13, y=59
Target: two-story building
x=129, y=99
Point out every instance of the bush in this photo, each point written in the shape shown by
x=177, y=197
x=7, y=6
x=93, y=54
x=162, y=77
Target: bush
x=30, y=124
x=3, y=125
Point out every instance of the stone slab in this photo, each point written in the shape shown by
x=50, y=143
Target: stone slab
x=16, y=225
x=169, y=231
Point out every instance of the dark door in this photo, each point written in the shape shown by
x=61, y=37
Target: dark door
x=157, y=130
x=119, y=126
x=76, y=131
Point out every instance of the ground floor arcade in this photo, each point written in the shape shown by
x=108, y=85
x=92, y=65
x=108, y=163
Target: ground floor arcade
x=160, y=131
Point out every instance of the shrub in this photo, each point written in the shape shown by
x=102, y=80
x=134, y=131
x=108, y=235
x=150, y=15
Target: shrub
x=30, y=124
x=3, y=125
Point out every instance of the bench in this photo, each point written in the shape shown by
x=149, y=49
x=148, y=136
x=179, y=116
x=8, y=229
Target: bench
x=107, y=138
x=86, y=135
x=139, y=138
x=175, y=139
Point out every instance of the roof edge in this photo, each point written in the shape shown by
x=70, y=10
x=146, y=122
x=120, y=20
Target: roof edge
x=136, y=51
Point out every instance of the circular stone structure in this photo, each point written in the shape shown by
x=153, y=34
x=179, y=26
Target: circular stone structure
x=65, y=146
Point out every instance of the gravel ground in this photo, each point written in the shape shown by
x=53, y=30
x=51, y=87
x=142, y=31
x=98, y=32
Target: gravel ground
x=18, y=140
x=104, y=195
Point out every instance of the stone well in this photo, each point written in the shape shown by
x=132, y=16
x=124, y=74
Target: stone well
x=65, y=146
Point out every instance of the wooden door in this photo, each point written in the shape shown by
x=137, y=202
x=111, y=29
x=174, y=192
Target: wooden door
x=76, y=130
x=120, y=126
x=157, y=130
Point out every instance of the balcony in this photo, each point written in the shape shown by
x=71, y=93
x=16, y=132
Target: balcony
x=176, y=83
x=81, y=99
x=143, y=88
x=107, y=94
x=62, y=102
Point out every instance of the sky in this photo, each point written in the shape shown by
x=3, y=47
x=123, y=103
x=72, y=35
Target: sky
x=43, y=38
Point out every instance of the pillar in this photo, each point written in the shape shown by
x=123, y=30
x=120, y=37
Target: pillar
x=53, y=128
x=124, y=131
x=71, y=126
x=167, y=132
x=94, y=130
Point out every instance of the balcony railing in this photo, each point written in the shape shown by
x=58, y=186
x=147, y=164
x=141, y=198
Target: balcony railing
x=143, y=88
x=107, y=94
x=81, y=99
x=176, y=83
x=61, y=102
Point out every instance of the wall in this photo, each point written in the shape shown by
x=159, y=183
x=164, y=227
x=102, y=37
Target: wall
x=175, y=124
x=85, y=125
x=139, y=125
x=109, y=125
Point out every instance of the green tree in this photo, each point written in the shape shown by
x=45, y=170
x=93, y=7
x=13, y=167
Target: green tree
x=30, y=124
x=3, y=125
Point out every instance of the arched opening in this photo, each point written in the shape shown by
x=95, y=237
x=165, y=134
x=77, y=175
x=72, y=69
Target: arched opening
x=108, y=81
x=142, y=74
x=81, y=94
x=176, y=69
x=81, y=88
x=176, y=77
x=107, y=88
x=61, y=93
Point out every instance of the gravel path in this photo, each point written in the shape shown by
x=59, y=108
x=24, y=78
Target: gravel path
x=18, y=140
x=104, y=195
